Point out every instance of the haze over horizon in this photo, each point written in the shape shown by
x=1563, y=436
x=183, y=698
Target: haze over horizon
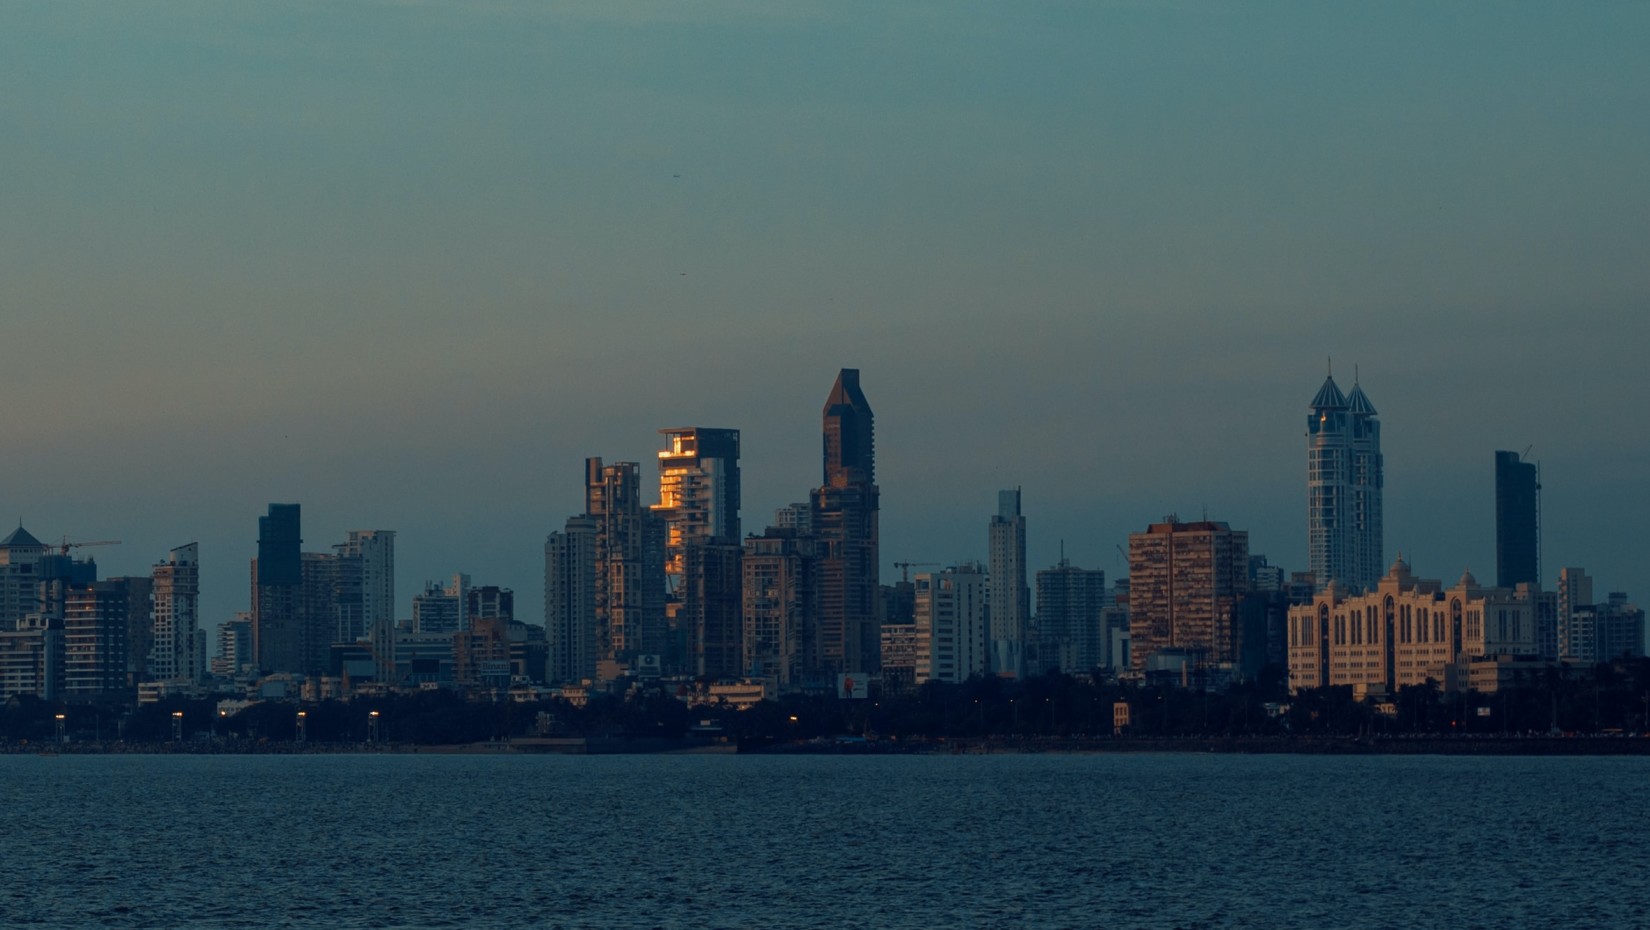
x=409, y=263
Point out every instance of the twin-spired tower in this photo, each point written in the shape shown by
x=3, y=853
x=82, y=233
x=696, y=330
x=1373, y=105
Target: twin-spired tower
x=1343, y=488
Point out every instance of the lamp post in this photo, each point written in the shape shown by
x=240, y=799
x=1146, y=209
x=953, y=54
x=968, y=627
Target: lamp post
x=62, y=735
x=372, y=726
x=177, y=726
x=303, y=728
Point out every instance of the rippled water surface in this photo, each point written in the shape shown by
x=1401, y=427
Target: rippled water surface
x=1125, y=841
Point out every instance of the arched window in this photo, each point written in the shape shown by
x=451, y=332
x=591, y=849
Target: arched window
x=1388, y=621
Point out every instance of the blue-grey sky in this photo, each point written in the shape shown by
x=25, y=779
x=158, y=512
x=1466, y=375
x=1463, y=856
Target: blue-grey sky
x=408, y=263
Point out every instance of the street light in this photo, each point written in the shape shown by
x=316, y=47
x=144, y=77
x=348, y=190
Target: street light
x=62, y=737
x=372, y=726
x=303, y=730
x=177, y=726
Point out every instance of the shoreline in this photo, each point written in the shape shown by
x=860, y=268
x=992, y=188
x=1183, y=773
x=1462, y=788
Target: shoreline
x=1408, y=745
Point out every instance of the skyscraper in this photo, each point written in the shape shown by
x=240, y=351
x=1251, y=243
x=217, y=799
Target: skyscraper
x=848, y=638
x=1184, y=583
x=780, y=594
x=277, y=580
x=176, y=646
x=630, y=565
x=699, y=502
x=950, y=619
x=1071, y=632
x=698, y=489
x=95, y=640
x=1343, y=488
x=570, y=602
x=367, y=610
x=1010, y=598
x=1517, y=521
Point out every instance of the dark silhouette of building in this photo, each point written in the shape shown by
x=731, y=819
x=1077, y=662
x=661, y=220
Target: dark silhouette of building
x=1517, y=521
x=277, y=590
x=844, y=510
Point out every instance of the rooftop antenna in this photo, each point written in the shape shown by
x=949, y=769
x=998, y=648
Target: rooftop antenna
x=1354, y=374
x=1331, y=365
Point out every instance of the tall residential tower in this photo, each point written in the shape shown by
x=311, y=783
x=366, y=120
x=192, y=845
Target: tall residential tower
x=1343, y=488
x=844, y=513
x=1010, y=599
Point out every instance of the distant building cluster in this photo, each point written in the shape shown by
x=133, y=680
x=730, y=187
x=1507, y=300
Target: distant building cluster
x=667, y=588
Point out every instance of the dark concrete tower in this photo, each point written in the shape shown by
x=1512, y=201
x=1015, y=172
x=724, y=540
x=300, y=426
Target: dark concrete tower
x=1517, y=521
x=847, y=637
x=277, y=586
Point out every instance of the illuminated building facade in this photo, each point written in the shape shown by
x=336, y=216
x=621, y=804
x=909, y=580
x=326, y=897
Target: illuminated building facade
x=699, y=503
x=1406, y=631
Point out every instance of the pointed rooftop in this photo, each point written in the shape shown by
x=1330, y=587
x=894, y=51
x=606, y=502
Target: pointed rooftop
x=1358, y=401
x=845, y=393
x=1329, y=396
x=21, y=539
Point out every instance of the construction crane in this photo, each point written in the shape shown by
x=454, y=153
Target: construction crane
x=64, y=546
x=905, y=569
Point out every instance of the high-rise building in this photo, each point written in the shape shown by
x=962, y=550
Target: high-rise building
x=1575, y=594
x=490, y=602
x=1010, y=598
x=366, y=605
x=442, y=609
x=234, y=647
x=780, y=594
x=699, y=503
x=951, y=628
x=31, y=659
x=175, y=644
x=1184, y=583
x=95, y=641
x=1343, y=488
x=277, y=582
x=570, y=602
x=698, y=489
x=844, y=515
x=20, y=556
x=630, y=565
x=1517, y=521
x=1071, y=630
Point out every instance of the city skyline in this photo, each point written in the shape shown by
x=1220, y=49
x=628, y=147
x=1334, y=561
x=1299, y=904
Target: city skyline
x=411, y=264
x=409, y=585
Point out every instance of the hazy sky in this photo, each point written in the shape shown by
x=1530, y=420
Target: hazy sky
x=409, y=263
